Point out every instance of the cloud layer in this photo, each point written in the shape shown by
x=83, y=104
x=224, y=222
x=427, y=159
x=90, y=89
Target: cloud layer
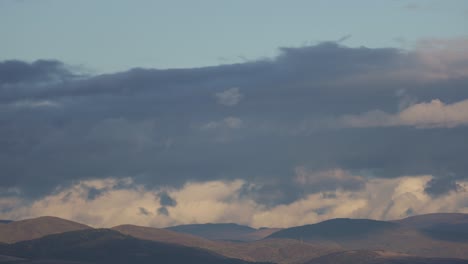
x=272, y=133
x=421, y=115
x=122, y=201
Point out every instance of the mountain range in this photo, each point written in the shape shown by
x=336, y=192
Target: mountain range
x=433, y=238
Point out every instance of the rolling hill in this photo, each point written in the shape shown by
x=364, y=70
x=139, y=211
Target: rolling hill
x=358, y=234
x=441, y=226
x=379, y=257
x=269, y=250
x=35, y=228
x=428, y=220
x=166, y=236
x=336, y=229
x=233, y=232
x=109, y=246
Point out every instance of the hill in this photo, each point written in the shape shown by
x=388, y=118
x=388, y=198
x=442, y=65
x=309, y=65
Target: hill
x=109, y=246
x=164, y=235
x=379, y=257
x=359, y=234
x=428, y=220
x=215, y=231
x=441, y=226
x=339, y=229
x=270, y=250
x=37, y=227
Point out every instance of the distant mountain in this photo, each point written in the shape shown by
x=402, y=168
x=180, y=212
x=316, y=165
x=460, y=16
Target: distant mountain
x=429, y=220
x=5, y=221
x=379, y=257
x=215, y=231
x=230, y=232
x=165, y=235
x=357, y=234
x=283, y=251
x=37, y=227
x=441, y=226
x=105, y=246
x=336, y=229
x=271, y=250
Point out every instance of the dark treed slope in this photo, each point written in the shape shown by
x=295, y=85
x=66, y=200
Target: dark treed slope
x=108, y=246
x=37, y=227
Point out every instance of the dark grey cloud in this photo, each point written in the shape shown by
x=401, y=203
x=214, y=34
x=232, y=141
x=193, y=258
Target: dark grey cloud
x=14, y=72
x=58, y=127
x=163, y=211
x=94, y=193
x=443, y=185
x=143, y=211
x=166, y=200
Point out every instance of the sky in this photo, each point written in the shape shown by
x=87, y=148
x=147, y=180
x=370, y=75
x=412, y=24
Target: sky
x=109, y=36
x=262, y=113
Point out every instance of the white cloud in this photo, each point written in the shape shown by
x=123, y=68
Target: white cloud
x=229, y=97
x=228, y=122
x=422, y=115
x=35, y=104
x=121, y=201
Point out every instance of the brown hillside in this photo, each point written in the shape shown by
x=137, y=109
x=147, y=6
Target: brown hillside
x=166, y=236
x=37, y=227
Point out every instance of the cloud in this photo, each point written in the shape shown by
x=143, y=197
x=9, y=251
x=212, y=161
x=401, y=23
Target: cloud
x=228, y=122
x=17, y=72
x=163, y=211
x=223, y=201
x=255, y=121
x=229, y=97
x=423, y=115
x=35, y=104
x=328, y=180
x=143, y=211
x=166, y=200
x=441, y=186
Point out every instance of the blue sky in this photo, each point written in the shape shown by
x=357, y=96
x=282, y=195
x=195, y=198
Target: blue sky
x=115, y=35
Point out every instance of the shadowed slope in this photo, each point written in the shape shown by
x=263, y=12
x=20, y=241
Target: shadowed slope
x=440, y=226
x=366, y=234
x=215, y=231
x=37, y=227
x=164, y=235
x=109, y=246
x=341, y=228
x=270, y=250
x=379, y=257
x=428, y=220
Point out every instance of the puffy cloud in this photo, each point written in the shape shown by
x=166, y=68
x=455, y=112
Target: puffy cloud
x=34, y=104
x=229, y=97
x=166, y=200
x=328, y=179
x=228, y=122
x=443, y=185
x=224, y=201
x=423, y=115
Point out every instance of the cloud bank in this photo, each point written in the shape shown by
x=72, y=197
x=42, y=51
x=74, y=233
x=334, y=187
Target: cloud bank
x=122, y=201
x=276, y=134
